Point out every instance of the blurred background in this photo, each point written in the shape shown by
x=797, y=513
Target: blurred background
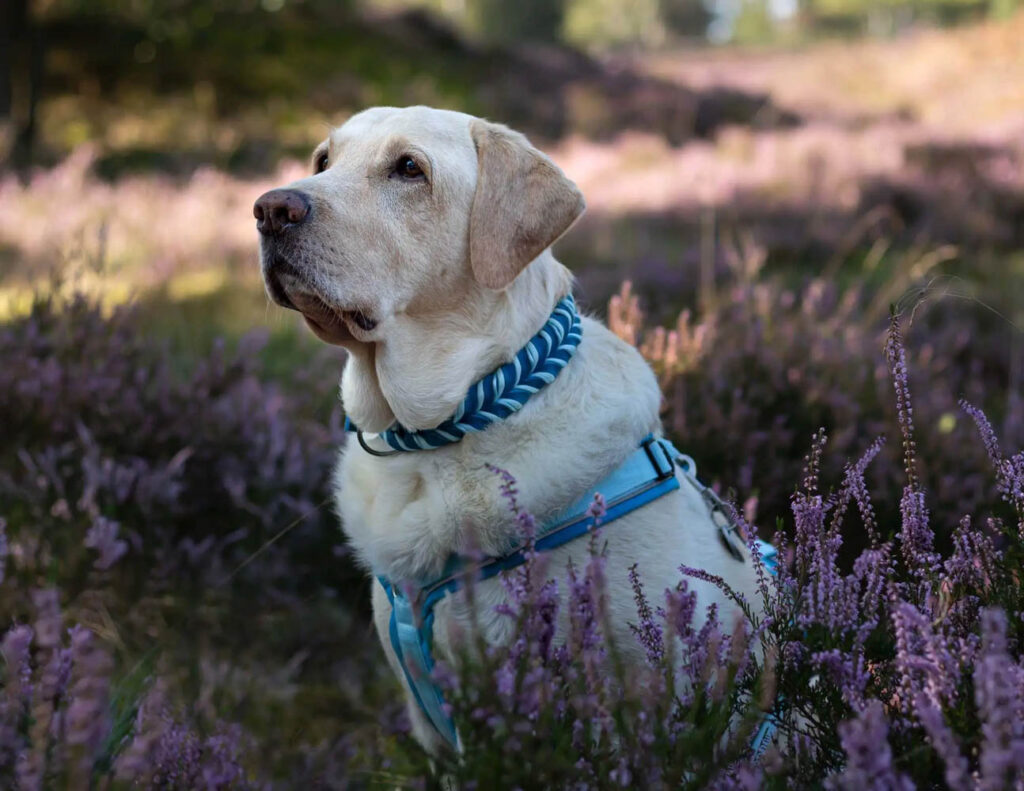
x=774, y=178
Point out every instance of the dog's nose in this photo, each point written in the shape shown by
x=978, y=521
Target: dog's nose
x=278, y=210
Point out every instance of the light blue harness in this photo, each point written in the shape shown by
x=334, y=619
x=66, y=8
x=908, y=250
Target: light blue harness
x=646, y=474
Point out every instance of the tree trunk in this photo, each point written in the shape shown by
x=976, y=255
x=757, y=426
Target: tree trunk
x=21, y=79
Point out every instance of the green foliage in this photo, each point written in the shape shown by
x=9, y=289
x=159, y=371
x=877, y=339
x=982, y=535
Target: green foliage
x=523, y=20
x=754, y=23
x=688, y=18
x=609, y=23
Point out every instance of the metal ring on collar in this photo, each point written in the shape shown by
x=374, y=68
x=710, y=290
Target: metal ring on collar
x=371, y=451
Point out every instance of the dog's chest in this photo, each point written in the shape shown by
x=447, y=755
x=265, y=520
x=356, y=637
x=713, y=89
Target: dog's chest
x=405, y=514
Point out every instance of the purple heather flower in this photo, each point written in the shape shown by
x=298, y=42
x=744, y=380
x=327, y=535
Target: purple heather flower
x=847, y=671
x=102, y=537
x=584, y=629
x=943, y=741
x=1009, y=471
x=176, y=762
x=812, y=462
x=916, y=536
x=221, y=752
x=988, y=434
x=872, y=570
x=49, y=623
x=621, y=774
x=829, y=598
x=999, y=695
x=742, y=777
x=680, y=608
x=896, y=354
x=15, y=647
x=765, y=583
x=714, y=579
x=810, y=513
x=702, y=649
x=868, y=754
x=974, y=560
x=858, y=489
x=88, y=717
x=16, y=700
x=923, y=658
x=526, y=524
x=648, y=632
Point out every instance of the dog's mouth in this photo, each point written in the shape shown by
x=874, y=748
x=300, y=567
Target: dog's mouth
x=275, y=288
x=287, y=288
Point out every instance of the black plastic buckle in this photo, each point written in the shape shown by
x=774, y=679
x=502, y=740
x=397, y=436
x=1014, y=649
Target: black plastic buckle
x=663, y=474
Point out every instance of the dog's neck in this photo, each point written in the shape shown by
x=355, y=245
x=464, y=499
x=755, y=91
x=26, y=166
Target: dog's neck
x=420, y=373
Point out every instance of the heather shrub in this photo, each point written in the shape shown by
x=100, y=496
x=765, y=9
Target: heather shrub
x=111, y=452
x=899, y=668
x=765, y=363
x=912, y=648
x=177, y=514
x=213, y=642
x=547, y=712
x=64, y=724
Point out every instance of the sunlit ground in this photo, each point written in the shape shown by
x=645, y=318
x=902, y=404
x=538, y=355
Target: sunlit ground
x=936, y=113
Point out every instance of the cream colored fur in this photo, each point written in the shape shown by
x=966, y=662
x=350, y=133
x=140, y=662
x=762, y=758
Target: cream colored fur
x=450, y=308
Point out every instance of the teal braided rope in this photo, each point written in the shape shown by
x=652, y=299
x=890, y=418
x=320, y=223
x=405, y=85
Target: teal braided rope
x=504, y=391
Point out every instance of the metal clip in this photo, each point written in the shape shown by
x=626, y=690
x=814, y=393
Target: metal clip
x=728, y=530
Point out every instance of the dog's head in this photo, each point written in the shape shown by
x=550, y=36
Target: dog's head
x=407, y=210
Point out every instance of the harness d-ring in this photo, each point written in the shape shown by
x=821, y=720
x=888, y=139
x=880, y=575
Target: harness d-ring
x=688, y=465
x=728, y=530
x=371, y=451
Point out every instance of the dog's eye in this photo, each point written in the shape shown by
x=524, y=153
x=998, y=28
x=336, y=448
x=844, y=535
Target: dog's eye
x=407, y=168
x=321, y=163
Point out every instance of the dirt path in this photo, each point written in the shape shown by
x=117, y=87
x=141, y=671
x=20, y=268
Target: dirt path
x=956, y=80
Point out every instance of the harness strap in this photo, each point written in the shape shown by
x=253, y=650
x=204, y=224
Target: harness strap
x=647, y=474
x=413, y=650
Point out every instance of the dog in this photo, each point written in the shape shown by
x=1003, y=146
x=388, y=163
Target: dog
x=421, y=244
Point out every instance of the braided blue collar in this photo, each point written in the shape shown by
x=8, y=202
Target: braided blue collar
x=501, y=392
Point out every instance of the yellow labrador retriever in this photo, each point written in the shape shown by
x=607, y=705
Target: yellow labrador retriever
x=421, y=244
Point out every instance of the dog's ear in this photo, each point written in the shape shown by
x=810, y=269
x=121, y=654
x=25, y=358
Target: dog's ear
x=523, y=204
